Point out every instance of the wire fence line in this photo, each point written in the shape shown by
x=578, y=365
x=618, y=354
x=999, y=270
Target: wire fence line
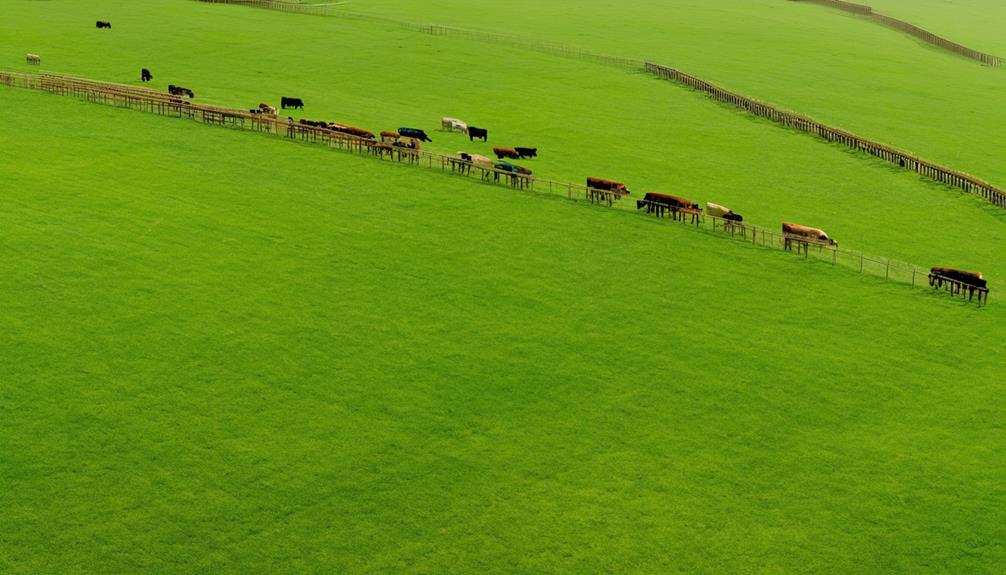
x=912, y=29
x=152, y=101
x=932, y=170
x=295, y=7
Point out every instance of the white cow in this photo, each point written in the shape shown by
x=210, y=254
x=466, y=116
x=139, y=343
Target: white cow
x=33, y=59
x=452, y=124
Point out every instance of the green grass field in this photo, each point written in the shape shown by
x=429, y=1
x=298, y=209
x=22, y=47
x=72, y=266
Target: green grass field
x=230, y=353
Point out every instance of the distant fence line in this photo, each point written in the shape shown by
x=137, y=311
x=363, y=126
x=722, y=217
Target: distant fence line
x=909, y=28
x=149, y=100
x=296, y=7
x=905, y=160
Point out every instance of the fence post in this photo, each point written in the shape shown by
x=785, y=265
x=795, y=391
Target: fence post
x=887, y=275
x=913, y=276
x=860, y=263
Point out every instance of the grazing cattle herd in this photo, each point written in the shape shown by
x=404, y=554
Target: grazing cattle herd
x=406, y=143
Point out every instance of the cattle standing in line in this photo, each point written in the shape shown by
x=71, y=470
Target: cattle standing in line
x=526, y=152
x=102, y=24
x=414, y=133
x=145, y=75
x=295, y=103
x=474, y=132
x=599, y=189
x=506, y=153
x=351, y=130
x=452, y=124
x=180, y=91
x=803, y=235
x=33, y=59
x=959, y=280
x=658, y=203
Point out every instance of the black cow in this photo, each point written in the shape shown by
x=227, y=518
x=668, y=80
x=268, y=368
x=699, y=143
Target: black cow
x=474, y=132
x=102, y=24
x=414, y=133
x=180, y=91
x=291, y=103
x=145, y=75
x=526, y=152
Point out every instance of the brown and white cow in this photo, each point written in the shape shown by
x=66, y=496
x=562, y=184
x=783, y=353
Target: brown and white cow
x=803, y=235
x=722, y=212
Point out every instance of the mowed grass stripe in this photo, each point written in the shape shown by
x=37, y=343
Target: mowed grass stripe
x=225, y=353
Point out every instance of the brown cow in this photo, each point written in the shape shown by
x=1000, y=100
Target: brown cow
x=506, y=153
x=804, y=235
x=958, y=281
x=658, y=203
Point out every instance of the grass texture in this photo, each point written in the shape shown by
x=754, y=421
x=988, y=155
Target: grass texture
x=227, y=353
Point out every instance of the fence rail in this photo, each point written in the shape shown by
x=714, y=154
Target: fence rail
x=905, y=160
x=909, y=28
x=148, y=100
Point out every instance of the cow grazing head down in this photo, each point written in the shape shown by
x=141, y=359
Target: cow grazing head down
x=970, y=278
x=808, y=232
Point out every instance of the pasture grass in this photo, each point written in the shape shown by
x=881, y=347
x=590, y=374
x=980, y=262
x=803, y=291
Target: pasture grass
x=977, y=24
x=838, y=68
x=585, y=119
x=228, y=353
x=225, y=353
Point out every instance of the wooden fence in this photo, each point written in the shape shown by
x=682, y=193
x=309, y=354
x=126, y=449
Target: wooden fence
x=905, y=160
x=908, y=28
x=152, y=101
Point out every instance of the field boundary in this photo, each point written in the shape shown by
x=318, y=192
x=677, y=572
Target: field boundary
x=295, y=7
x=151, y=101
x=911, y=29
x=931, y=170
